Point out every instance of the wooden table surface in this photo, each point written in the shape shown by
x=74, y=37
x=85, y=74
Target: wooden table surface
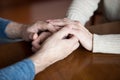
x=80, y=65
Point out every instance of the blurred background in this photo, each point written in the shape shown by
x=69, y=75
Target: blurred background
x=28, y=11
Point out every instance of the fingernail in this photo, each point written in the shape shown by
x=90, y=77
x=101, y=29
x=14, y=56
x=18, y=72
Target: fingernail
x=35, y=36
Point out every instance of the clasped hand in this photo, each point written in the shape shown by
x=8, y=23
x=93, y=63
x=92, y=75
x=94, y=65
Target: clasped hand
x=53, y=43
x=52, y=26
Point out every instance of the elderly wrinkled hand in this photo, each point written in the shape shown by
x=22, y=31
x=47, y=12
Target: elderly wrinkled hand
x=38, y=32
x=40, y=27
x=53, y=27
x=85, y=37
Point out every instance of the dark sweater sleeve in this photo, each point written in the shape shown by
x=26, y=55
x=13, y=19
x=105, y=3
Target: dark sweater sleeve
x=23, y=70
x=3, y=25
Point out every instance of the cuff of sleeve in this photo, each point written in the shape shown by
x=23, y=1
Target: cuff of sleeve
x=106, y=43
x=75, y=17
x=82, y=10
x=27, y=69
x=23, y=70
x=3, y=25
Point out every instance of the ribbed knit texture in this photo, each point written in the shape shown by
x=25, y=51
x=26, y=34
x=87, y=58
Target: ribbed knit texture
x=82, y=10
x=106, y=43
x=23, y=70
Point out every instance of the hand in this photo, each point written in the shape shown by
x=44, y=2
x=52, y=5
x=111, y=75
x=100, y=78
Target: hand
x=85, y=37
x=31, y=32
x=16, y=30
x=36, y=43
x=57, y=23
x=55, y=48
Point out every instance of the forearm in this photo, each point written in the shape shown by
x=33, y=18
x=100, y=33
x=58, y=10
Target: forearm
x=14, y=30
x=106, y=43
x=10, y=29
x=82, y=10
x=41, y=61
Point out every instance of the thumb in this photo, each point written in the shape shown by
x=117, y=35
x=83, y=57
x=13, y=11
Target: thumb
x=35, y=36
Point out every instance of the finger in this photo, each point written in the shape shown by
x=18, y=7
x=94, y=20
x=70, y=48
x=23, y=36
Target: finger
x=34, y=49
x=53, y=28
x=58, y=28
x=72, y=24
x=50, y=20
x=63, y=32
x=59, y=22
x=49, y=27
x=32, y=36
x=43, y=36
x=40, y=39
x=64, y=19
x=35, y=36
x=80, y=32
x=42, y=26
x=66, y=22
x=35, y=45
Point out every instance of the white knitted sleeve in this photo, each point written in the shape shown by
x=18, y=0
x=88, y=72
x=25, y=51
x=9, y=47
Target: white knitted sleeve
x=82, y=10
x=106, y=43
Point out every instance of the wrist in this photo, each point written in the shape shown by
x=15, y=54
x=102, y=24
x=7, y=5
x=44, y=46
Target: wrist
x=13, y=30
x=23, y=31
x=40, y=61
